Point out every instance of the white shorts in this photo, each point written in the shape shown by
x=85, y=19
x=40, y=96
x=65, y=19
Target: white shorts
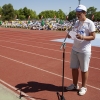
x=80, y=60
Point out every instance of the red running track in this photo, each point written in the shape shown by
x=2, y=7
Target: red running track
x=32, y=63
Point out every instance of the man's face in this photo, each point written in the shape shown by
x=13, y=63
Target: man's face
x=80, y=14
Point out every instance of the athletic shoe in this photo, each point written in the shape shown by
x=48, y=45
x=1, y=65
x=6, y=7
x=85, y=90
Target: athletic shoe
x=82, y=91
x=72, y=87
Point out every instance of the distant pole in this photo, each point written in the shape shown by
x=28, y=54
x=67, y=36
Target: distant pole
x=69, y=9
x=79, y=1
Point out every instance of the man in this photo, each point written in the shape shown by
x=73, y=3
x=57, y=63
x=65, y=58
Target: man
x=43, y=24
x=0, y=23
x=81, y=50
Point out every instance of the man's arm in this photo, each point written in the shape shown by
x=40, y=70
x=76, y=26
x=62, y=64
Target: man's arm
x=88, y=38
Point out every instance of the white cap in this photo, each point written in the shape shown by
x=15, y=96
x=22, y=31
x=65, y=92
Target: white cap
x=81, y=8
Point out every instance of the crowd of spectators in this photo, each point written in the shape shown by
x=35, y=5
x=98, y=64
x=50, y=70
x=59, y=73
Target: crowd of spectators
x=42, y=25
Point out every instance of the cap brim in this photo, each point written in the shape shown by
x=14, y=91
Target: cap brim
x=78, y=10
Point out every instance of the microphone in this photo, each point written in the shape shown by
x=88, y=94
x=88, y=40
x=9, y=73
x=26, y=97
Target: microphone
x=68, y=30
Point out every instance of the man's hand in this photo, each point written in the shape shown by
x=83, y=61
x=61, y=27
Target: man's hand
x=78, y=36
x=69, y=36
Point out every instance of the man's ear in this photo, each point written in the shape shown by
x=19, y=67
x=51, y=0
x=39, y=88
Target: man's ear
x=84, y=12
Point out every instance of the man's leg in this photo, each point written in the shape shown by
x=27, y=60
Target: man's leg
x=74, y=86
x=75, y=74
x=84, y=66
x=84, y=78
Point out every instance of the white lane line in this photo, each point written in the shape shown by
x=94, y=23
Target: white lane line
x=33, y=53
x=95, y=68
x=33, y=46
x=95, y=57
x=41, y=55
x=32, y=37
x=34, y=41
x=15, y=89
x=41, y=47
x=45, y=71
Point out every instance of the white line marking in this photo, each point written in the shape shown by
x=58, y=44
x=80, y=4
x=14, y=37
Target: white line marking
x=45, y=40
x=42, y=55
x=33, y=46
x=33, y=53
x=32, y=41
x=16, y=89
x=40, y=47
x=32, y=37
x=45, y=71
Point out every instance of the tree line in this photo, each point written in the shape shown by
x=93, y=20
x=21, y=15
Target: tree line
x=8, y=13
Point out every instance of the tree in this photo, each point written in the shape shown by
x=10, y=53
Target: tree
x=72, y=15
x=0, y=11
x=16, y=14
x=51, y=14
x=32, y=14
x=21, y=15
x=61, y=14
x=91, y=12
x=27, y=14
x=97, y=16
x=8, y=12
